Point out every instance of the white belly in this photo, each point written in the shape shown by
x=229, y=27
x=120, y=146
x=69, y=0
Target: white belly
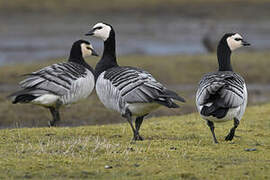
x=46, y=100
x=139, y=109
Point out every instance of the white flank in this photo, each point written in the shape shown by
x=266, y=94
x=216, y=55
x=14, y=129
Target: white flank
x=81, y=89
x=140, y=109
x=46, y=100
x=108, y=94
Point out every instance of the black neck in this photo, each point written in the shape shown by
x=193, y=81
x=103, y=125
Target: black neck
x=108, y=59
x=224, y=57
x=76, y=56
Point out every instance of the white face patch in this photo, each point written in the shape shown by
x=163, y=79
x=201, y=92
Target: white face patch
x=102, y=31
x=86, y=49
x=235, y=41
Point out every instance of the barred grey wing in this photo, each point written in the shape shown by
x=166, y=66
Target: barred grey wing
x=134, y=85
x=56, y=79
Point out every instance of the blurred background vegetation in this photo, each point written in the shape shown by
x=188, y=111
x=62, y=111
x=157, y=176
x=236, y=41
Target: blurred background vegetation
x=87, y=6
x=175, y=40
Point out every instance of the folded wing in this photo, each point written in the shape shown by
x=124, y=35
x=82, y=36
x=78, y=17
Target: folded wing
x=138, y=86
x=56, y=79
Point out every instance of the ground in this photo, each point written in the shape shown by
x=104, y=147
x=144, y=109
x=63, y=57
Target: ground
x=177, y=147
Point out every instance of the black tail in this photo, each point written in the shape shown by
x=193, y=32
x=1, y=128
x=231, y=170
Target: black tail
x=24, y=98
x=170, y=94
x=21, y=97
x=215, y=111
x=208, y=110
x=168, y=103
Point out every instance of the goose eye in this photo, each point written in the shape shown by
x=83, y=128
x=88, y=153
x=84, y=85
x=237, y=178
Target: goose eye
x=98, y=28
x=238, y=39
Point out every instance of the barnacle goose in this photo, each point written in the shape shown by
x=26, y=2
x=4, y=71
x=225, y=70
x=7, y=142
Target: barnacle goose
x=222, y=95
x=127, y=90
x=59, y=84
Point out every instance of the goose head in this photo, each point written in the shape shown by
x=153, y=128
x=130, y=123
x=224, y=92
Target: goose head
x=234, y=41
x=82, y=48
x=228, y=43
x=101, y=30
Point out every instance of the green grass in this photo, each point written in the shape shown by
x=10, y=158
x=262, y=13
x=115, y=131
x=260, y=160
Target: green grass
x=178, y=147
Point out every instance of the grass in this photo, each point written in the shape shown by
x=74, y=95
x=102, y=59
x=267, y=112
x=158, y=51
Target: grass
x=170, y=70
x=177, y=147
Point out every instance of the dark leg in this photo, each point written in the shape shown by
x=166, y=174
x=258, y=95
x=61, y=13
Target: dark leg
x=230, y=136
x=138, y=123
x=212, y=128
x=128, y=116
x=55, y=115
